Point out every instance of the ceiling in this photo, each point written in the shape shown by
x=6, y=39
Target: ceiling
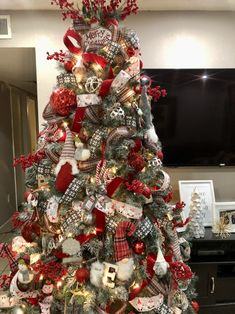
x=211, y=5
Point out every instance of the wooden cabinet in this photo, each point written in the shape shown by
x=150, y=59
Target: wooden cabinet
x=213, y=261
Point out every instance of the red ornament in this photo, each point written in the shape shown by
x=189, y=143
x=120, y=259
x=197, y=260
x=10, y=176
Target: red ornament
x=62, y=100
x=195, y=306
x=68, y=65
x=82, y=275
x=160, y=154
x=139, y=247
x=136, y=161
x=130, y=51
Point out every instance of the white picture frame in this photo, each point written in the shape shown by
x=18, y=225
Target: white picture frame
x=205, y=188
x=5, y=25
x=226, y=209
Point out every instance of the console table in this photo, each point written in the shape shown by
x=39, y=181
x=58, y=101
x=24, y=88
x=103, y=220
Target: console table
x=213, y=261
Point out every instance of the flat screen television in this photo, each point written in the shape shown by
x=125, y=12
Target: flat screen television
x=196, y=120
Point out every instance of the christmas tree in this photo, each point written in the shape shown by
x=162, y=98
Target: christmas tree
x=97, y=233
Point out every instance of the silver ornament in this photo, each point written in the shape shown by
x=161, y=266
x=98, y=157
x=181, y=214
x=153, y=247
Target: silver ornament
x=88, y=219
x=117, y=113
x=20, y=309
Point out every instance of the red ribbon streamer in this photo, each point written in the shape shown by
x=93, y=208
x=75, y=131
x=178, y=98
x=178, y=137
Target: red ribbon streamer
x=83, y=238
x=69, y=44
x=113, y=185
x=78, y=119
x=99, y=221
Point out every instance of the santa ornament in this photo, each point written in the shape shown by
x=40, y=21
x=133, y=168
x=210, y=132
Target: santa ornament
x=67, y=165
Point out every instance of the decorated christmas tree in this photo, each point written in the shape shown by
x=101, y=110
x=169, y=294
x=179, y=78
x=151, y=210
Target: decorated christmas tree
x=97, y=232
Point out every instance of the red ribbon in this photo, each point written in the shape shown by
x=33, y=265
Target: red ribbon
x=94, y=58
x=78, y=119
x=151, y=259
x=83, y=238
x=69, y=44
x=99, y=221
x=113, y=185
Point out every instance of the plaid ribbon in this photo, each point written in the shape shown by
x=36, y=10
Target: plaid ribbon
x=72, y=191
x=96, y=140
x=164, y=309
x=44, y=169
x=121, y=246
x=176, y=246
x=66, y=78
x=88, y=166
x=154, y=287
x=144, y=228
x=50, y=116
x=111, y=50
x=93, y=113
x=71, y=220
x=6, y=252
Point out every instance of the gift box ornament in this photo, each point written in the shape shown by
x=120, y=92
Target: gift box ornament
x=85, y=100
x=125, y=95
x=144, y=228
x=120, y=81
x=70, y=194
x=44, y=169
x=65, y=79
x=131, y=39
x=111, y=51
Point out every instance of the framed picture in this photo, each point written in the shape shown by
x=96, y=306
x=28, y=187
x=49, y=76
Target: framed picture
x=205, y=190
x=225, y=211
x=5, y=26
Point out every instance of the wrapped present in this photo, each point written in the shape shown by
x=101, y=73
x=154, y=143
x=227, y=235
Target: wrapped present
x=66, y=78
x=111, y=51
x=125, y=95
x=120, y=81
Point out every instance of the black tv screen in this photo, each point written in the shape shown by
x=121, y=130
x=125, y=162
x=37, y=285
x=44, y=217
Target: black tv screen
x=196, y=120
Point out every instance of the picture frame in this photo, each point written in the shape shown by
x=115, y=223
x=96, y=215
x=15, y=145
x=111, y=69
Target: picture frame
x=205, y=188
x=226, y=210
x=5, y=27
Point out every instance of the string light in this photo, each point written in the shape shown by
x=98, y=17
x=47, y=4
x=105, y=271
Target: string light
x=59, y=284
x=41, y=277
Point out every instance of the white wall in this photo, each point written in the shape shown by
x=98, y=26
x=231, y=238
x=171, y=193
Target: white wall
x=168, y=39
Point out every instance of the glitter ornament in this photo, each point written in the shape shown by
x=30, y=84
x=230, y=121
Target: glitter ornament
x=62, y=101
x=139, y=247
x=82, y=275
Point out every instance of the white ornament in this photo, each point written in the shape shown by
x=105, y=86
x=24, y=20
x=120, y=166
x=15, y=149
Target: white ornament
x=15, y=291
x=96, y=273
x=110, y=272
x=24, y=275
x=117, y=113
x=125, y=269
x=92, y=84
x=81, y=153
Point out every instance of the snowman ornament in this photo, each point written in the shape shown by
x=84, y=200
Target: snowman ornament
x=46, y=298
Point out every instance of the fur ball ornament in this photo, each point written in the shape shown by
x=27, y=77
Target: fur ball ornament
x=71, y=246
x=125, y=269
x=81, y=153
x=62, y=101
x=96, y=273
x=82, y=275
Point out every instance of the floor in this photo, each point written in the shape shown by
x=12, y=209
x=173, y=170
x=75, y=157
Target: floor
x=6, y=235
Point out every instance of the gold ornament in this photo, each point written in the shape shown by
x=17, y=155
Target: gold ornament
x=221, y=228
x=20, y=309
